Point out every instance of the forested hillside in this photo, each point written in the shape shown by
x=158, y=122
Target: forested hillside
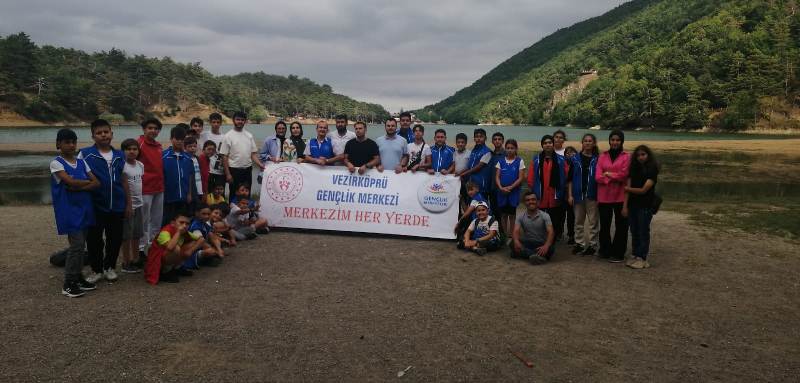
x=681, y=64
x=50, y=84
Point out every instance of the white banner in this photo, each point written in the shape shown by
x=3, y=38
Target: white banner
x=330, y=198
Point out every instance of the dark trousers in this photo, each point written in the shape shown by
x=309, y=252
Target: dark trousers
x=640, y=218
x=240, y=176
x=529, y=248
x=74, y=256
x=557, y=217
x=171, y=209
x=110, y=225
x=612, y=249
x=570, y=221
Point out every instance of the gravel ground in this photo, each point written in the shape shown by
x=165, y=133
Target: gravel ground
x=311, y=306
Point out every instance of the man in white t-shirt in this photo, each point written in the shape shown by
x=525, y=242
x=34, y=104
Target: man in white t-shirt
x=340, y=136
x=239, y=152
x=419, y=153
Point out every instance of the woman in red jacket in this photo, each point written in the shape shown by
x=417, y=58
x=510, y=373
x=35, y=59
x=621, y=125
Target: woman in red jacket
x=612, y=177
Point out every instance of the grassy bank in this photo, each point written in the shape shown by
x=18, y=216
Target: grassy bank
x=757, y=191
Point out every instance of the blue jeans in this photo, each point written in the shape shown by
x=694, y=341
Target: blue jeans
x=639, y=219
x=529, y=249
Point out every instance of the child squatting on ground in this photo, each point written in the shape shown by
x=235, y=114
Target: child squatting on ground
x=170, y=249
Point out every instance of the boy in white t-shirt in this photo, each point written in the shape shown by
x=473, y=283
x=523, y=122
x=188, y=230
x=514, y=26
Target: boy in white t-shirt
x=133, y=225
x=419, y=153
x=242, y=220
x=215, y=135
x=482, y=234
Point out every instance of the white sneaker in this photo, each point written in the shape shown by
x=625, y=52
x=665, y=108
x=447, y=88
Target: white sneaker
x=94, y=277
x=110, y=275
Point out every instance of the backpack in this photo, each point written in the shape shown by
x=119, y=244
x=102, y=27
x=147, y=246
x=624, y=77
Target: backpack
x=417, y=158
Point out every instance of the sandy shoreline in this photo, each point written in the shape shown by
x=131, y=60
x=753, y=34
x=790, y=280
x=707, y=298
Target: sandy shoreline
x=358, y=315
x=787, y=147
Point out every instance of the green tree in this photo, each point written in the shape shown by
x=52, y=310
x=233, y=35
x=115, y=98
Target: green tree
x=258, y=114
x=18, y=61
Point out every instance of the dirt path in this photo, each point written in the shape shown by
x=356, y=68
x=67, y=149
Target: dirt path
x=296, y=306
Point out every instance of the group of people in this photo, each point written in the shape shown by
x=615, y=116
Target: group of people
x=171, y=211
x=583, y=189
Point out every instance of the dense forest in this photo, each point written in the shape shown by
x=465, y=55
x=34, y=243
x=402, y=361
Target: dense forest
x=51, y=84
x=683, y=64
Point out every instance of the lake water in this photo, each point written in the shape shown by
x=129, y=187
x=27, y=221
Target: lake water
x=520, y=133
x=24, y=178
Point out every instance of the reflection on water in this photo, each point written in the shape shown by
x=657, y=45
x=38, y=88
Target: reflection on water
x=261, y=131
x=28, y=190
x=722, y=191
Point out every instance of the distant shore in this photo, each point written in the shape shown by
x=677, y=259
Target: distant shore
x=25, y=123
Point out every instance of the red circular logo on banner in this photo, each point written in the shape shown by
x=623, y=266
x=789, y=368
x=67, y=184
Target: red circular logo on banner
x=284, y=184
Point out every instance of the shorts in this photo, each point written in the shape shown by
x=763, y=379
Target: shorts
x=133, y=227
x=193, y=262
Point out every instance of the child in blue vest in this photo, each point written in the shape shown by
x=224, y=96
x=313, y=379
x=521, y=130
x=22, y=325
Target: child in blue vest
x=441, y=155
x=469, y=215
x=72, y=203
x=482, y=234
x=112, y=202
x=178, y=176
x=510, y=173
x=210, y=252
x=478, y=170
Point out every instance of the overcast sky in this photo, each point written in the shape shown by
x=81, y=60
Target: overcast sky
x=401, y=53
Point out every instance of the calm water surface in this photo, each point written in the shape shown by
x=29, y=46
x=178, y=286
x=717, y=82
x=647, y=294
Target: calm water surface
x=24, y=178
x=520, y=133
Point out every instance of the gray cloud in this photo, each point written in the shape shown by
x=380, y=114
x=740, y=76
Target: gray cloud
x=400, y=54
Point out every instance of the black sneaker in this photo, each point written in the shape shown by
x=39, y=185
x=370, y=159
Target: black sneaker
x=169, y=277
x=616, y=260
x=130, y=268
x=184, y=272
x=250, y=236
x=141, y=261
x=262, y=230
x=71, y=290
x=85, y=285
x=210, y=261
x=589, y=251
x=578, y=249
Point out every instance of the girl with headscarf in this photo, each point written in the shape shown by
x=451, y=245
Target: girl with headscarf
x=295, y=145
x=611, y=175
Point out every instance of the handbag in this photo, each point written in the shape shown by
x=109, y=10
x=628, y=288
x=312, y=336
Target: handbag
x=656, y=203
